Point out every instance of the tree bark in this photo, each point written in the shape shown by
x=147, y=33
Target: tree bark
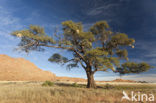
x=90, y=80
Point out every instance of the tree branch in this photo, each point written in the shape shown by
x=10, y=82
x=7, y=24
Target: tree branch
x=67, y=48
x=81, y=57
x=99, y=70
x=82, y=64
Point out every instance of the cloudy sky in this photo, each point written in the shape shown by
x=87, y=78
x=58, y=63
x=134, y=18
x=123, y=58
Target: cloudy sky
x=137, y=18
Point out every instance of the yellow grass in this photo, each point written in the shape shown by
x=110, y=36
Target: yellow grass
x=33, y=92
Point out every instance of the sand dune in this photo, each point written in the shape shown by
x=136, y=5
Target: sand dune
x=19, y=69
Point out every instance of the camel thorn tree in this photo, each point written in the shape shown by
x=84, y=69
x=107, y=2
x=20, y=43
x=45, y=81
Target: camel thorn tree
x=97, y=49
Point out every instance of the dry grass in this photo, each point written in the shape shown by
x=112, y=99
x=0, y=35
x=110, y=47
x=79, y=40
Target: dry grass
x=33, y=92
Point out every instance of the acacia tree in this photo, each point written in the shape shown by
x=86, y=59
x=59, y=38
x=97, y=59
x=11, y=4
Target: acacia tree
x=97, y=49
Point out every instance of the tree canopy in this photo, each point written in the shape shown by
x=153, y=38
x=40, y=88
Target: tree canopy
x=97, y=49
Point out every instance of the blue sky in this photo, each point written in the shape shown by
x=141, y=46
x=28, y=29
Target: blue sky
x=137, y=18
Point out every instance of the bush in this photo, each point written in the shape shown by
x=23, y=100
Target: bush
x=142, y=82
x=108, y=86
x=75, y=85
x=48, y=83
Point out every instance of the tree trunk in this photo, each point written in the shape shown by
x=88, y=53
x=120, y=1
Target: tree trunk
x=90, y=80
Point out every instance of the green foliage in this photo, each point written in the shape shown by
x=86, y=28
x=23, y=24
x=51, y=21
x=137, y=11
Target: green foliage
x=96, y=52
x=37, y=30
x=122, y=39
x=30, y=38
x=58, y=58
x=70, y=26
x=74, y=34
x=115, y=61
x=122, y=54
x=48, y=83
x=75, y=85
x=131, y=67
x=33, y=33
x=99, y=27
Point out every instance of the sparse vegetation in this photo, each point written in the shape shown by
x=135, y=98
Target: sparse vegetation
x=142, y=82
x=48, y=83
x=33, y=92
x=108, y=86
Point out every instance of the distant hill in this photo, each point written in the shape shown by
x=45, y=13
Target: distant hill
x=122, y=80
x=19, y=69
x=66, y=79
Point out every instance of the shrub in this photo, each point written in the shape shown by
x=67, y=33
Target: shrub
x=48, y=83
x=142, y=82
x=75, y=85
x=108, y=86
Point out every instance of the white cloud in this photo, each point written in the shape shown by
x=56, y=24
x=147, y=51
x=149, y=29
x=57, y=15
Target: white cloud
x=6, y=18
x=147, y=47
x=102, y=10
x=8, y=23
